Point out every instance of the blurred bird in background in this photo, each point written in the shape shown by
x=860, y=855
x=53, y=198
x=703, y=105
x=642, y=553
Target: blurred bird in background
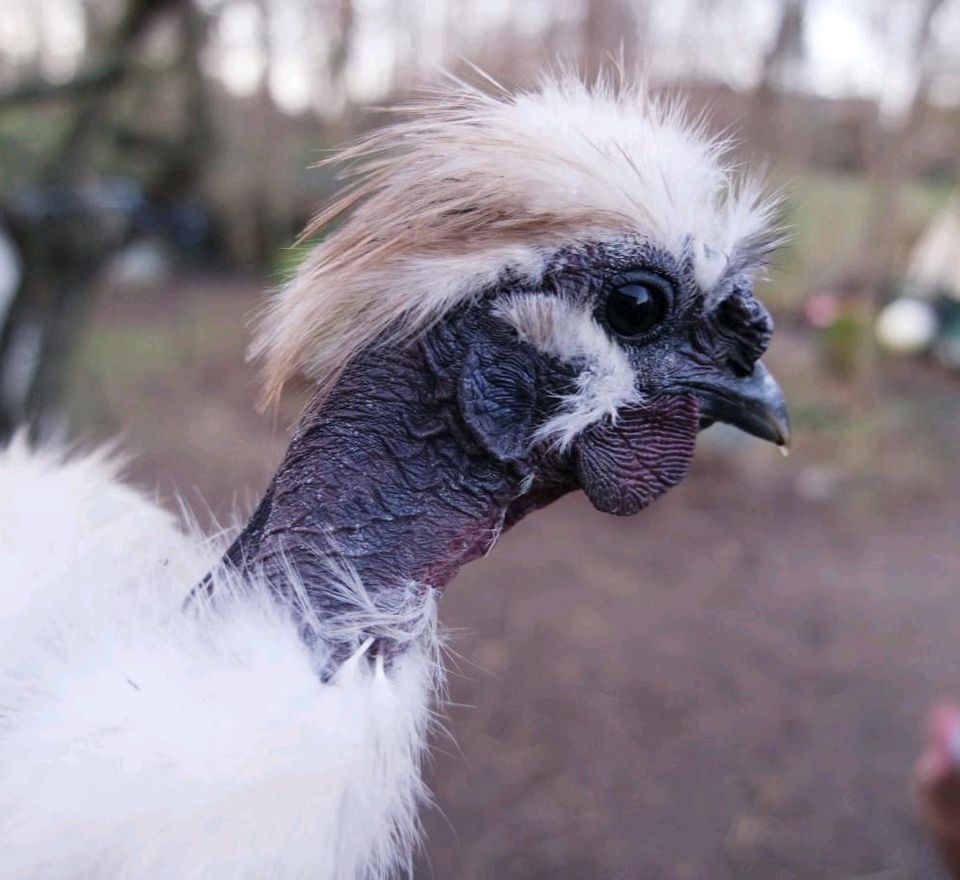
x=926, y=317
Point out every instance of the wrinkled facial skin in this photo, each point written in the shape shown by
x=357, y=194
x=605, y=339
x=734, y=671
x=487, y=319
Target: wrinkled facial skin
x=688, y=370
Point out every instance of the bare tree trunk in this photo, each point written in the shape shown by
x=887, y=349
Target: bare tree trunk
x=768, y=102
x=609, y=27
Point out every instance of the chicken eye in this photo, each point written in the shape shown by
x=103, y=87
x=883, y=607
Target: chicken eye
x=637, y=307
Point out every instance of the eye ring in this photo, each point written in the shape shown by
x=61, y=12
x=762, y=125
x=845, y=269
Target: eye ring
x=638, y=304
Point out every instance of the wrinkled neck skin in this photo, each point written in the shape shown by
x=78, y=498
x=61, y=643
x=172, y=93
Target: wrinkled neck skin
x=383, y=474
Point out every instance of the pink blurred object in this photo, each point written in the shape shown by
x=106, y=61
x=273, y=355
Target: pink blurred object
x=936, y=776
x=821, y=310
x=942, y=752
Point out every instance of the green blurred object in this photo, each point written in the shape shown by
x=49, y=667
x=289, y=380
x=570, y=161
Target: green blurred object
x=840, y=344
x=287, y=259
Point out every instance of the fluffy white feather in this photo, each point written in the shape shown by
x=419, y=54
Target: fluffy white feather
x=140, y=740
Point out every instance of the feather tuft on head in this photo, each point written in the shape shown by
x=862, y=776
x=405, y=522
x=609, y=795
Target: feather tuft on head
x=473, y=184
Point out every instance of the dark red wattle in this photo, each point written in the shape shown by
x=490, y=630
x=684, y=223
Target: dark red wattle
x=625, y=467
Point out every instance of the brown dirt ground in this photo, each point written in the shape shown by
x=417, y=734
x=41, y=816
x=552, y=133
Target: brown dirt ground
x=726, y=686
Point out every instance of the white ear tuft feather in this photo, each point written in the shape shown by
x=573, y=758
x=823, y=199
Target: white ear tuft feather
x=605, y=381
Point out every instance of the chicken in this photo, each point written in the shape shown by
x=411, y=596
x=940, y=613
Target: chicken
x=524, y=295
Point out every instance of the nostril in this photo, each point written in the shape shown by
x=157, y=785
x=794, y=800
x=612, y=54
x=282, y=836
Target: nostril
x=747, y=328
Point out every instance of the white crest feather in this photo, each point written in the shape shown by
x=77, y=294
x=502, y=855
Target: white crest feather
x=473, y=184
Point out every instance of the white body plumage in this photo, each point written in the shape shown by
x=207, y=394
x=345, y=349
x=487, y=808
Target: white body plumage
x=137, y=740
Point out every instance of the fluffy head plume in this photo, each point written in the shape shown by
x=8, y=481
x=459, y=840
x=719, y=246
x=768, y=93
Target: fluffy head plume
x=475, y=183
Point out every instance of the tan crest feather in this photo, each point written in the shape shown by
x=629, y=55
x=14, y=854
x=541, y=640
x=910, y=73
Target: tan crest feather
x=472, y=183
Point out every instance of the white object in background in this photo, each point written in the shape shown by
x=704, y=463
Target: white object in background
x=907, y=326
x=143, y=264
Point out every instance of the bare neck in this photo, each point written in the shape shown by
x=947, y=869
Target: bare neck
x=382, y=475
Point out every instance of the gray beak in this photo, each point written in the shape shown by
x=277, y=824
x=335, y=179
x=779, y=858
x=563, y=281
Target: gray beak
x=753, y=403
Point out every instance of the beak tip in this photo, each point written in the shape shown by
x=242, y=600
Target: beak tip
x=755, y=404
x=784, y=437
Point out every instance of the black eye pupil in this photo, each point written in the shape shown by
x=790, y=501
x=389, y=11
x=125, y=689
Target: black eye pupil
x=635, y=309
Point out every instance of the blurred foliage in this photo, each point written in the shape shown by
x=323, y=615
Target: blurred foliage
x=827, y=218
x=840, y=344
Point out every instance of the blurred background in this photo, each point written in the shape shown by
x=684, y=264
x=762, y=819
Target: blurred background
x=726, y=686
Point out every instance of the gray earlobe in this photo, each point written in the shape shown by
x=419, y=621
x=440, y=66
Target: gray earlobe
x=498, y=397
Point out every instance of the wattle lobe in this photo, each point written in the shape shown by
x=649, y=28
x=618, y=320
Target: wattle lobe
x=625, y=467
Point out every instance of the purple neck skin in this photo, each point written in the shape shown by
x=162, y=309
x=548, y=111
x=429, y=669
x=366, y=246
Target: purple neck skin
x=383, y=474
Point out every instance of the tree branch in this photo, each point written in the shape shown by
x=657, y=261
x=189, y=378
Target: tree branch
x=96, y=78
